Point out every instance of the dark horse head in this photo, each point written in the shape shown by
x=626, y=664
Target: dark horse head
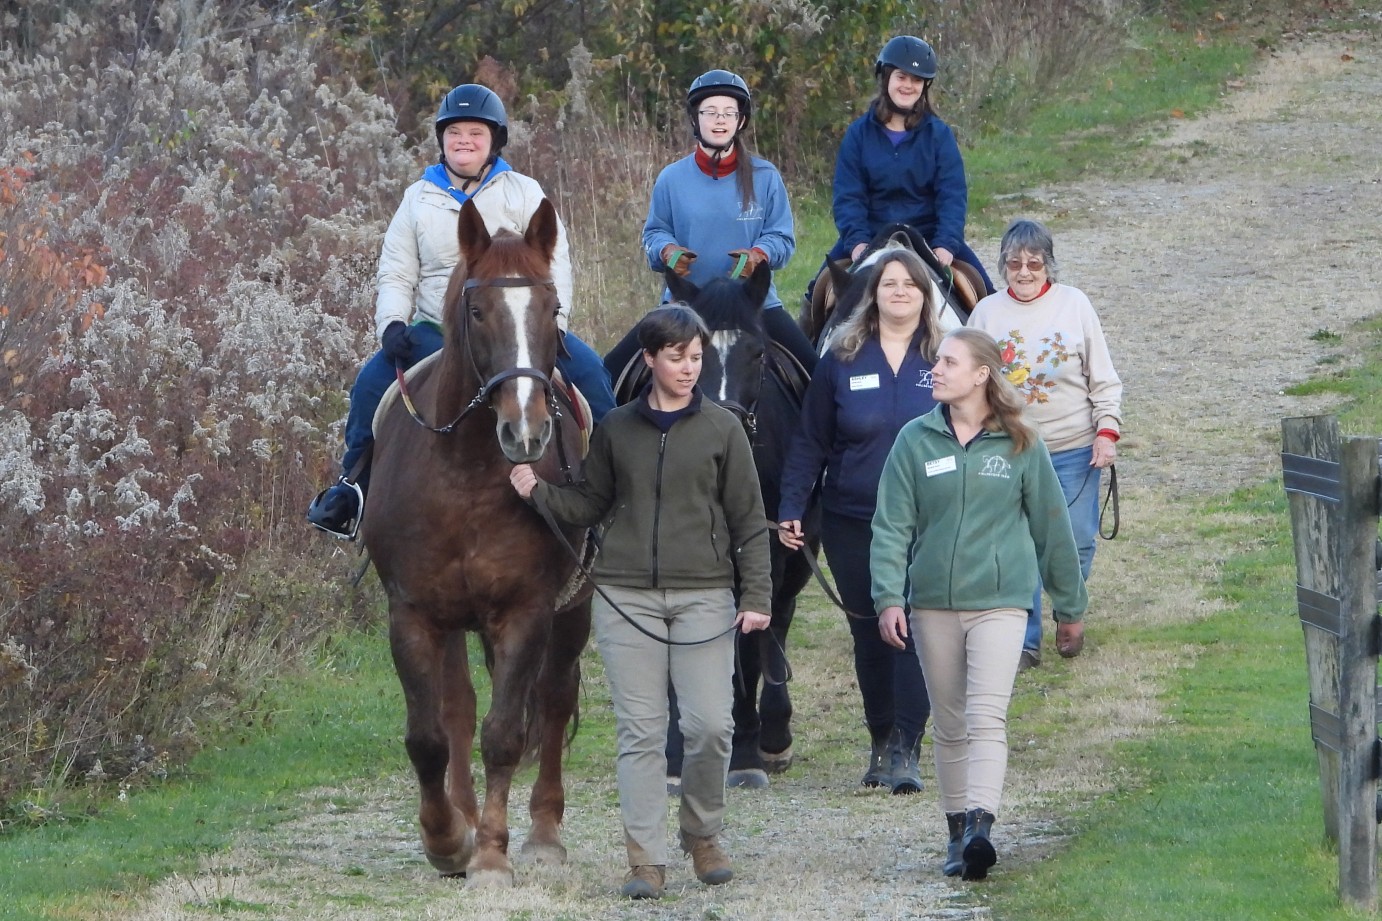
x=500, y=314
x=735, y=363
x=846, y=286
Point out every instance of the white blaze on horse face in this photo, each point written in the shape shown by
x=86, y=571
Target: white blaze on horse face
x=517, y=301
x=723, y=341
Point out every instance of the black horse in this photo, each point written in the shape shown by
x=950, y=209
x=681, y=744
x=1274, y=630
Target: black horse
x=763, y=385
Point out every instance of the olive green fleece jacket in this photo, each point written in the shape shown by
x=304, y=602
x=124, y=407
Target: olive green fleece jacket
x=977, y=522
x=676, y=510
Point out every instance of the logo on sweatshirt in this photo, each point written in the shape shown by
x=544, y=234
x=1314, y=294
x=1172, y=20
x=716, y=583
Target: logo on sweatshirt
x=753, y=211
x=925, y=380
x=996, y=466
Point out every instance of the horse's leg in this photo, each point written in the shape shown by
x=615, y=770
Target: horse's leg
x=458, y=721
x=518, y=645
x=558, y=693
x=775, y=705
x=418, y=659
x=745, y=763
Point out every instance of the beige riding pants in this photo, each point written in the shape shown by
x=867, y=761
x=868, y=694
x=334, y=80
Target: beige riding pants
x=970, y=661
x=639, y=669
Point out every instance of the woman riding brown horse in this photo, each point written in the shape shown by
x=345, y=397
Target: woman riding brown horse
x=457, y=551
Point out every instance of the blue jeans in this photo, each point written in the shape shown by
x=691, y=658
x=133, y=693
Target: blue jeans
x=1080, y=483
x=583, y=368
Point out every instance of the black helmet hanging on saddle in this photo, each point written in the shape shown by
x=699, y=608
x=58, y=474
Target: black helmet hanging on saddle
x=718, y=83
x=908, y=54
x=476, y=103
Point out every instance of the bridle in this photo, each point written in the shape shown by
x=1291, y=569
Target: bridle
x=487, y=386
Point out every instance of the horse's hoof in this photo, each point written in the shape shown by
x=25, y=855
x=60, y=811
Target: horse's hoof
x=454, y=863
x=777, y=762
x=753, y=779
x=449, y=867
x=548, y=853
x=489, y=879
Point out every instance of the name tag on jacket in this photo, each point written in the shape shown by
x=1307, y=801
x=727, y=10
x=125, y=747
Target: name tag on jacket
x=863, y=382
x=940, y=465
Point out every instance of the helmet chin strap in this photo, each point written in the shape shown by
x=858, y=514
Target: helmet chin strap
x=467, y=180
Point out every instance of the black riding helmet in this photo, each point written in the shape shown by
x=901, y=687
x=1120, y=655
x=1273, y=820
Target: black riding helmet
x=908, y=54
x=473, y=102
x=718, y=83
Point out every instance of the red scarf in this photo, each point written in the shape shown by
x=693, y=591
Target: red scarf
x=1044, y=288
x=717, y=169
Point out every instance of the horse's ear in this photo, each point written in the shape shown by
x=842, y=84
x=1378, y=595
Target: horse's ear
x=682, y=289
x=839, y=276
x=541, y=234
x=756, y=285
x=472, y=234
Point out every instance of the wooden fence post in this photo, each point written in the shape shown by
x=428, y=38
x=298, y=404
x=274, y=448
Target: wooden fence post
x=1332, y=485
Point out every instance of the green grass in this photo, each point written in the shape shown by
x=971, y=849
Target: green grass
x=312, y=730
x=1108, y=120
x=1225, y=822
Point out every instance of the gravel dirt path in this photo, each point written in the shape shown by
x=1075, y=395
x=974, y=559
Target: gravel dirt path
x=1216, y=283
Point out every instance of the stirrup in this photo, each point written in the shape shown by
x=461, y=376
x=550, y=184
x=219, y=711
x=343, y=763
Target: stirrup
x=349, y=528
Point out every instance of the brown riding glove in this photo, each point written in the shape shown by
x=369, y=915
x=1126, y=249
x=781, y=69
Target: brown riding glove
x=678, y=259
x=753, y=259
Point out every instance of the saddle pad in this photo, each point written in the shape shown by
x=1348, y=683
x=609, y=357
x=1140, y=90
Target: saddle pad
x=392, y=393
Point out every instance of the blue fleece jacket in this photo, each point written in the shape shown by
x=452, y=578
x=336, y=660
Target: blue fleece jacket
x=704, y=215
x=920, y=181
x=850, y=418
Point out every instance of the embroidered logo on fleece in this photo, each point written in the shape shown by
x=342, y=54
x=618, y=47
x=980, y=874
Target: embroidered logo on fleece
x=996, y=466
x=925, y=380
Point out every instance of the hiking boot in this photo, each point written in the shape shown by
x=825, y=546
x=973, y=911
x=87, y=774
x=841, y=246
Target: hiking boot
x=644, y=882
x=1031, y=658
x=880, y=772
x=711, y=864
x=336, y=510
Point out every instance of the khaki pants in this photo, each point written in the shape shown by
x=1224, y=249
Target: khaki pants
x=970, y=661
x=639, y=669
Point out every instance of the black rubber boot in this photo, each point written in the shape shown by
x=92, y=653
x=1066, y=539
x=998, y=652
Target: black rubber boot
x=906, y=768
x=978, y=854
x=954, y=862
x=880, y=772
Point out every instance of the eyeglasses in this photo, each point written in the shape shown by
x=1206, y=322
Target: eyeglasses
x=729, y=116
x=1033, y=265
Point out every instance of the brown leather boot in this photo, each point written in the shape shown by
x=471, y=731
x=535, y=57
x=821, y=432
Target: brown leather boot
x=644, y=882
x=711, y=864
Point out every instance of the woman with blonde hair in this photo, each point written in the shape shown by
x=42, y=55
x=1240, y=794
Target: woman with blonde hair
x=874, y=379
x=969, y=513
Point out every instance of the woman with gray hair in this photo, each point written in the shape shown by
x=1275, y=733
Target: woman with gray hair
x=1054, y=352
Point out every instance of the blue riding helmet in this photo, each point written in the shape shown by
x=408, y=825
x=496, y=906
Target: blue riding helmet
x=473, y=102
x=908, y=54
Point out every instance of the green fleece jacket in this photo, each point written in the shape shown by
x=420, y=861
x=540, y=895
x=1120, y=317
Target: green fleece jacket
x=676, y=509
x=977, y=523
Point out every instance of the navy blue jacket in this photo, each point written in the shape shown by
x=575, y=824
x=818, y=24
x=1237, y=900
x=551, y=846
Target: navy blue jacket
x=849, y=420
x=920, y=181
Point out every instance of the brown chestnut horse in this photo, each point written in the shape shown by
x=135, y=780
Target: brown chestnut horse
x=458, y=551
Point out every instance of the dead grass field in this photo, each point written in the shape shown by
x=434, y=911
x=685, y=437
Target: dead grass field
x=1210, y=282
